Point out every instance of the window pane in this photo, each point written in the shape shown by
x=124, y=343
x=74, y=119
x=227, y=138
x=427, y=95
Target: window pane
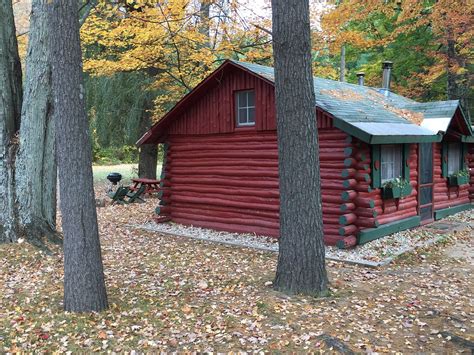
x=391, y=162
x=245, y=107
x=243, y=116
x=454, y=157
x=426, y=193
x=251, y=115
x=426, y=163
x=397, y=162
x=251, y=98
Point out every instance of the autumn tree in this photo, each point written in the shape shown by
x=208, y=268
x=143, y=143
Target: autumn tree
x=176, y=43
x=429, y=42
x=301, y=260
x=10, y=110
x=84, y=286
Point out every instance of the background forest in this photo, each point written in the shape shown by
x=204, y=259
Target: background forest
x=142, y=56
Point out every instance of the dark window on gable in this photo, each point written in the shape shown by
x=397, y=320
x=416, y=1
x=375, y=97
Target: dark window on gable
x=245, y=108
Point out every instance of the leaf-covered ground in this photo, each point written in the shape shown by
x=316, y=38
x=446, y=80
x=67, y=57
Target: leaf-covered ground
x=170, y=294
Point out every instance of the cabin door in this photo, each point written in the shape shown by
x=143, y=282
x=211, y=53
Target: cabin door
x=425, y=182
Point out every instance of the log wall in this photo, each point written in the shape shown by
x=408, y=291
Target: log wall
x=470, y=151
x=444, y=195
x=230, y=182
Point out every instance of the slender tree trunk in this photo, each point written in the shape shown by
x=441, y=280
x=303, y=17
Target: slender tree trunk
x=36, y=164
x=342, y=69
x=84, y=286
x=205, y=13
x=301, y=260
x=148, y=155
x=452, y=88
x=10, y=110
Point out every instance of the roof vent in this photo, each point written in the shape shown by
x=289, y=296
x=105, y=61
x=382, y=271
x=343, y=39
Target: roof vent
x=360, y=78
x=387, y=71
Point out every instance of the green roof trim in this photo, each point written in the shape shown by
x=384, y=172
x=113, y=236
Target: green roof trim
x=452, y=210
x=352, y=130
x=467, y=139
x=367, y=235
x=405, y=139
x=384, y=139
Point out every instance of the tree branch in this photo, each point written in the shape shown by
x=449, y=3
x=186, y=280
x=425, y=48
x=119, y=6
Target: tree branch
x=87, y=7
x=263, y=29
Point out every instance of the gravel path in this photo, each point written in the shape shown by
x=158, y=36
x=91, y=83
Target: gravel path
x=376, y=253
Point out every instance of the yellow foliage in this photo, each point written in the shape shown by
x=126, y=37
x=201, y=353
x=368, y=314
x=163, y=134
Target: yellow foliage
x=170, y=41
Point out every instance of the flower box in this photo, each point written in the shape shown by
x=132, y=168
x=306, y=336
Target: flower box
x=458, y=180
x=391, y=192
x=406, y=191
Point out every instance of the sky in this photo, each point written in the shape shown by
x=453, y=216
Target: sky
x=262, y=8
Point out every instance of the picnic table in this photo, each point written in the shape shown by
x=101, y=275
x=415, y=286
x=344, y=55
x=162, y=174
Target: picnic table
x=151, y=185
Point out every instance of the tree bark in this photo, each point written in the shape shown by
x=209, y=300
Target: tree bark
x=301, y=260
x=342, y=68
x=36, y=163
x=204, y=14
x=84, y=286
x=148, y=155
x=452, y=89
x=10, y=110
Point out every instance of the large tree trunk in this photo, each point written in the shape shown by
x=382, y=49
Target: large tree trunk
x=148, y=155
x=84, y=286
x=10, y=110
x=301, y=260
x=36, y=164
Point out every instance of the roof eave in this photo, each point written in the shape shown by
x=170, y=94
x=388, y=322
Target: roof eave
x=468, y=124
x=467, y=139
x=406, y=139
x=144, y=138
x=383, y=139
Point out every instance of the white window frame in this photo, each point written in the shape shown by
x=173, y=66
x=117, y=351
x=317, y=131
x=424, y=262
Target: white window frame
x=239, y=105
x=454, y=157
x=390, y=168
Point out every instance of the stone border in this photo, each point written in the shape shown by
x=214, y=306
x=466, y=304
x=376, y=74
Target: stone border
x=366, y=263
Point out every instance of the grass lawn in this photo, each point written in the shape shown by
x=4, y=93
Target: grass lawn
x=128, y=171
x=175, y=294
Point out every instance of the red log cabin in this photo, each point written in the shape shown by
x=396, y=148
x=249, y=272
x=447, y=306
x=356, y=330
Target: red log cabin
x=387, y=163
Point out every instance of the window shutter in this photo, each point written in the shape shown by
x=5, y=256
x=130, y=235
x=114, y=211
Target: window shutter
x=463, y=156
x=406, y=162
x=375, y=166
x=444, y=159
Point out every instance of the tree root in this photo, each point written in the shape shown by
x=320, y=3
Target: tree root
x=336, y=344
x=41, y=235
x=459, y=340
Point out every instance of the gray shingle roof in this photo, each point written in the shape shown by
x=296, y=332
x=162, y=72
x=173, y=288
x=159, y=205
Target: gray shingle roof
x=371, y=115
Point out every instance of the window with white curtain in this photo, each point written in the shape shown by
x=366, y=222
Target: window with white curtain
x=454, y=157
x=391, y=162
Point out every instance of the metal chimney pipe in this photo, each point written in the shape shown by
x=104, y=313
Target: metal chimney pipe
x=387, y=71
x=360, y=78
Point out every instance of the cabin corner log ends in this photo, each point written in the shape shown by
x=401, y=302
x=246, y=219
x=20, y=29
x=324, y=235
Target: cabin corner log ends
x=230, y=182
